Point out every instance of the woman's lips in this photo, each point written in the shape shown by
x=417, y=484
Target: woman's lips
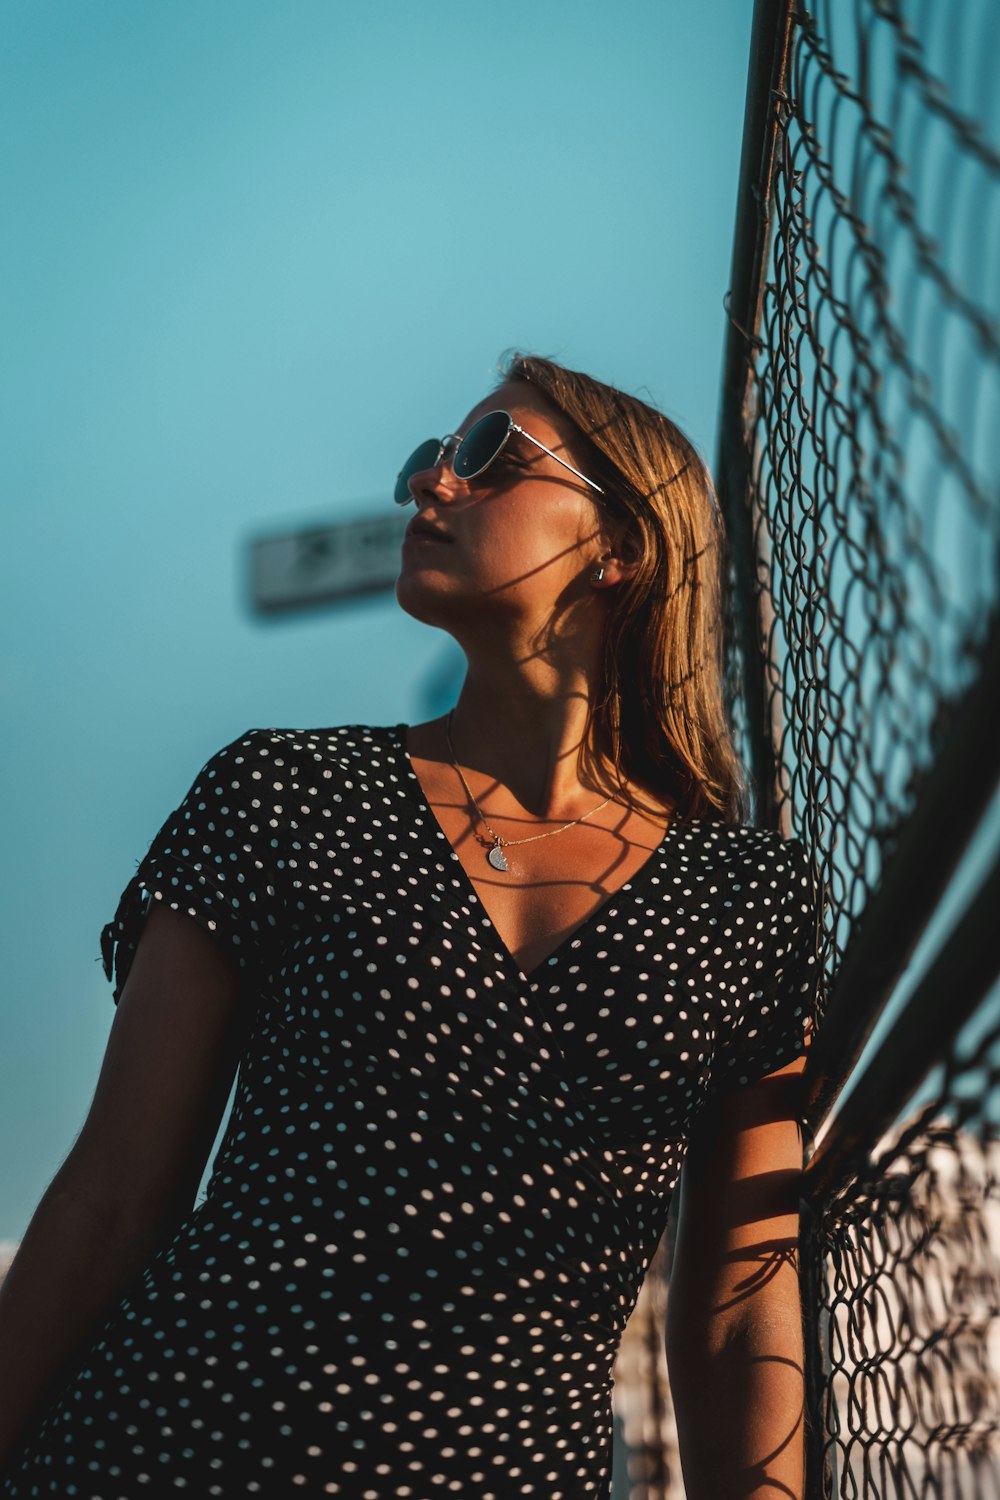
x=424, y=534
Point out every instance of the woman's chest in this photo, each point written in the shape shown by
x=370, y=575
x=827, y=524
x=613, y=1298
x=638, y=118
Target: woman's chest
x=537, y=889
x=396, y=970
x=542, y=898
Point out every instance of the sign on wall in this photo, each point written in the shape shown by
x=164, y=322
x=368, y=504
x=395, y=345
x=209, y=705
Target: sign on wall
x=324, y=564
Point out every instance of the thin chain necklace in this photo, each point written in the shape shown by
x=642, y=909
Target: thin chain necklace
x=497, y=844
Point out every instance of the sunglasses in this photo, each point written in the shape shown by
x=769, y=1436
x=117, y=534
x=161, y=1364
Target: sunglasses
x=481, y=446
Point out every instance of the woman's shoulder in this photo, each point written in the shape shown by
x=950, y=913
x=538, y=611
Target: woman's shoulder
x=738, y=838
x=762, y=854
x=292, y=753
x=350, y=738
x=278, y=753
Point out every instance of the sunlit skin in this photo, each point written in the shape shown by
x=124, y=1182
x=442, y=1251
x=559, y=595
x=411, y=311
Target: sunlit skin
x=514, y=586
x=526, y=533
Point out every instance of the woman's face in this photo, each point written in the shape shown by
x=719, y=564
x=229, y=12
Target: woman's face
x=518, y=541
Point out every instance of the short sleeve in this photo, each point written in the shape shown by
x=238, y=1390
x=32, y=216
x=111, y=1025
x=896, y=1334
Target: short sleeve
x=215, y=859
x=773, y=1025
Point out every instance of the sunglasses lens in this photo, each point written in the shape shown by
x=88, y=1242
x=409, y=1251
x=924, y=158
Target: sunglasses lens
x=424, y=457
x=481, y=444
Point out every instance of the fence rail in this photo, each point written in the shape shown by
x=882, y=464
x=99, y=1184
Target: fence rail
x=858, y=476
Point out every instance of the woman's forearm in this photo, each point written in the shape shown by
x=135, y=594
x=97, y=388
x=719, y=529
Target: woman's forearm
x=739, y=1410
x=71, y=1265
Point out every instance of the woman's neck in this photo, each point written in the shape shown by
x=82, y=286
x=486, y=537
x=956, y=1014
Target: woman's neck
x=531, y=738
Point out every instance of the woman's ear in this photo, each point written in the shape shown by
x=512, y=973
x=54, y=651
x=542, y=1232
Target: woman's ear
x=610, y=570
x=622, y=554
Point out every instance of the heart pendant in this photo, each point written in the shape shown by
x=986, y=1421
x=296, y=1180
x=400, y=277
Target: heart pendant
x=496, y=858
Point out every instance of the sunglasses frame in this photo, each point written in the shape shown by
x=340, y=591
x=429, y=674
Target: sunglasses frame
x=512, y=426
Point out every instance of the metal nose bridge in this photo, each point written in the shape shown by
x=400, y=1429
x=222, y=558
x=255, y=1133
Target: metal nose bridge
x=442, y=454
x=445, y=443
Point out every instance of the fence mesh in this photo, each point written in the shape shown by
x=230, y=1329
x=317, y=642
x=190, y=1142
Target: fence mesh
x=873, y=415
x=870, y=435
x=910, y=1276
x=858, y=475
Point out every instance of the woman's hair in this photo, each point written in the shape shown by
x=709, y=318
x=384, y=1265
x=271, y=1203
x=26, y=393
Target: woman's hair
x=659, y=714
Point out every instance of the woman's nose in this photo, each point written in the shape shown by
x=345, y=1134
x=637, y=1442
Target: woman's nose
x=439, y=482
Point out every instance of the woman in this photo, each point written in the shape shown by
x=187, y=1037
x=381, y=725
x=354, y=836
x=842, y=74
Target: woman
x=489, y=981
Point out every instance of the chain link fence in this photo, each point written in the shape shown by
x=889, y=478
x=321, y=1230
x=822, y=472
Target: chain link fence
x=858, y=475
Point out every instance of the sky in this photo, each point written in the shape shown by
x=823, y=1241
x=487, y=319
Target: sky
x=252, y=254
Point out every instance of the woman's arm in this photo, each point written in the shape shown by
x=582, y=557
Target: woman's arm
x=134, y=1170
x=734, y=1319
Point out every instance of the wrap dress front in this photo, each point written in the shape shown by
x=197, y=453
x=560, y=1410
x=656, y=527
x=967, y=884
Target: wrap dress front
x=442, y=1179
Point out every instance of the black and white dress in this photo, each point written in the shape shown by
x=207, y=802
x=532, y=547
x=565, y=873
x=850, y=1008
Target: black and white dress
x=443, y=1179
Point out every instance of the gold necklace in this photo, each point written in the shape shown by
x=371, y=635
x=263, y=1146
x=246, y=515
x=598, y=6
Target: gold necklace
x=495, y=855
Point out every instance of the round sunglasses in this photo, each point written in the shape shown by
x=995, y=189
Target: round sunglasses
x=481, y=446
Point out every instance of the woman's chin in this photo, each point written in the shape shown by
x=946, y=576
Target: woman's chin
x=417, y=594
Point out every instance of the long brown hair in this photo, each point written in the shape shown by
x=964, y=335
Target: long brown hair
x=659, y=714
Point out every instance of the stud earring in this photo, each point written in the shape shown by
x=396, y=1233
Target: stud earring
x=597, y=575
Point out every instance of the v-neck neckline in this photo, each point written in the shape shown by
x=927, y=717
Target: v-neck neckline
x=607, y=906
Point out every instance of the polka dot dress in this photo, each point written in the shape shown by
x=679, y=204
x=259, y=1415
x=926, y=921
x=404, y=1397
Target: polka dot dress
x=443, y=1179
